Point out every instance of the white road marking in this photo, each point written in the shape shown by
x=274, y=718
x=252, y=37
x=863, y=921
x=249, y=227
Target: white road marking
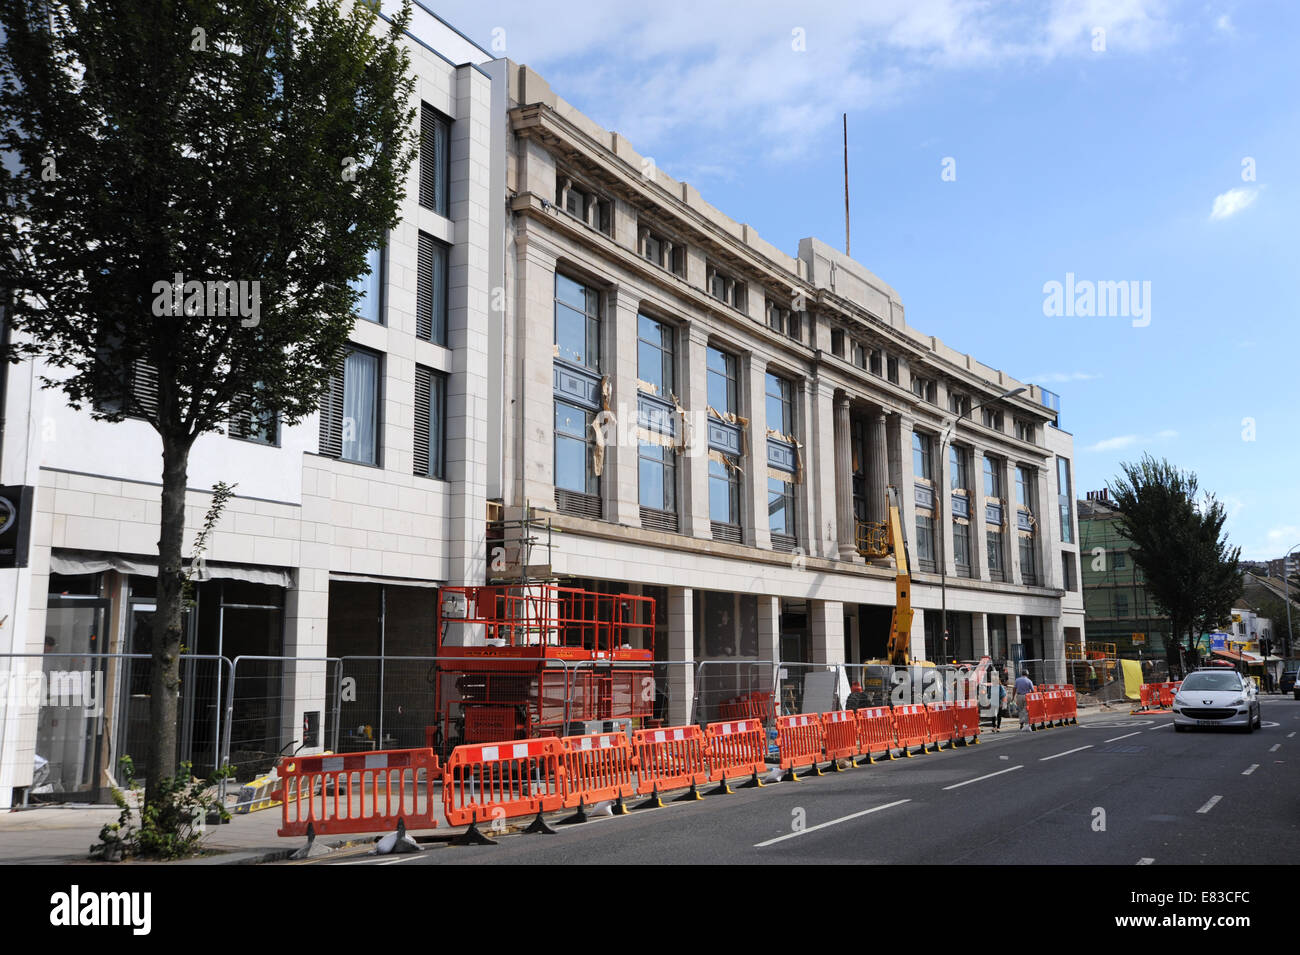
x=979, y=778
x=1077, y=749
x=1290, y=734
x=1145, y=861
x=1253, y=767
x=833, y=822
x=1118, y=738
x=1275, y=747
x=1210, y=805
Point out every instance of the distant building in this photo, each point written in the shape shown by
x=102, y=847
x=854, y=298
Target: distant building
x=1117, y=607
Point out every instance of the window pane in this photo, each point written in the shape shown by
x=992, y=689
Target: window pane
x=724, y=504
x=570, y=292
x=778, y=506
x=360, y=407
x=437, y=396
x=369, y=287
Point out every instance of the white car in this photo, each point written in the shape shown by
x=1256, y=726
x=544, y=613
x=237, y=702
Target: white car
x=1216, y=698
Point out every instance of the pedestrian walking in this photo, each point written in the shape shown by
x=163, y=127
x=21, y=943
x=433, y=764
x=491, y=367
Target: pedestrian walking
x=857, y=699
x=999, y=692
x=1024, y=686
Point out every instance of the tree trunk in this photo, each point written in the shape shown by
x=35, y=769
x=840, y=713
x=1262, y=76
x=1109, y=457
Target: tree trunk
x=165, y=689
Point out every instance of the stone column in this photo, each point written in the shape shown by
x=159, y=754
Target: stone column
x=844, y=524
x=769, y=628
x=877, y=466
x=681, y=647
x=619, y=484
x=980, y=633
x=821, y=477
x=754, y=505
x=975, y=494
x=694, y=459
x=1011, y=527
x=826, y=631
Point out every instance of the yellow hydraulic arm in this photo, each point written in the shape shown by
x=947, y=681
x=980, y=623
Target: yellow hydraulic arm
x=876, y=540
x=900, y=621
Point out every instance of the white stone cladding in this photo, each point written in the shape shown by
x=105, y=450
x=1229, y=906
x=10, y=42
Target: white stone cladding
x=295, y=510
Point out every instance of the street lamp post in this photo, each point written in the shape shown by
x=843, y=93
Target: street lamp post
x=941, y=525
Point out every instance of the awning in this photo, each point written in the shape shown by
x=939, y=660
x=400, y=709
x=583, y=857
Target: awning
x=1238, y=657
x=390, y=581
x=90, y=562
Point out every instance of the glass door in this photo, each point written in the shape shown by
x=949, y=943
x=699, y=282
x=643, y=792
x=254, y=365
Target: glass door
x=70, y=724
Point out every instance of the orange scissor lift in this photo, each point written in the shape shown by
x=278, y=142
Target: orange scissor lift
x=536, y=659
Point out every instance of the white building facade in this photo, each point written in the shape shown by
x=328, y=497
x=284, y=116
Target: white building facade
x=342, y=527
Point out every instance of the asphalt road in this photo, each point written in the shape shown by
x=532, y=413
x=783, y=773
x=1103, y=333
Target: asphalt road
x=1115, y=790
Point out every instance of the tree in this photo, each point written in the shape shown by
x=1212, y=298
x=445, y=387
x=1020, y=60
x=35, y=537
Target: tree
x=1179, y=545
x=196, y=184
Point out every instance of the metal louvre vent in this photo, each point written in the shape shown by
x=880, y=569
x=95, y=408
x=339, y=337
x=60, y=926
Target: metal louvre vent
x=658, y=520
x=423, y=380
x=727, y=532
x=579, y=505
x=434, y=130
x=963, y=570
x=144, y=387
x=331, y=415
x=995, y=574
x=1029, y=578
x=784, y=542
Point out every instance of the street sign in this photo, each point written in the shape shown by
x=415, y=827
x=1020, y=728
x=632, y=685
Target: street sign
x=1218, y=641
x=1138, y=638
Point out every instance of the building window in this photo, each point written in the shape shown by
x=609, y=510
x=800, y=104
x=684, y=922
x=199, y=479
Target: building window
x=577, y=323
x=575, y=468
x=780, y=493
x=1068, y=575
x=959, y=405
x=349, y=425
x=1025, y=478
x=778, y=318
x=724, y=474
x=1121, y=605
x=961, y=547
x=992, y=419
x=925, y=540
x=1025, y=430
x=921, y=467
x=584, y=203
x=725, y=288
x=431, y=291
x=435, y=165
x=1065, y=500
x=892, y=365
x=1120, y=561
x=837, y=342
x=430, y=423
x=370, y=288
x=924, y=388
x=876, y=366
x=657, y=464
x=260, y=428
x=994, y=517
x=664, y=252
x=860, y=355
x=959, y=479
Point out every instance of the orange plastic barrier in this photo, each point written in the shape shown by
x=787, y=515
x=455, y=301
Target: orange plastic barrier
x=486, y=782
x=670, y=758
x=1167, y=691
x=1036, y=709
x=1146, y=693
x=597, y=766
x=1071, y=710
x=942, y=718
x=799, y=740
x=912, y=726
x=968, y=721
x=876, y=732
x=359, y=792
x=735, y=749
x=840, y=729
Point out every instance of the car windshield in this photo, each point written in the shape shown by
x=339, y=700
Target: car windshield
x=1212, y=681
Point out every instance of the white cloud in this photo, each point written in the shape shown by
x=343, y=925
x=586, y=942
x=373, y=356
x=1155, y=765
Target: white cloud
x=1122, y=441
x=1061, y=377
x=729, y=81
x=1279, y=536
x=1231, y=202
x=1115, y=444
x=1224, y=24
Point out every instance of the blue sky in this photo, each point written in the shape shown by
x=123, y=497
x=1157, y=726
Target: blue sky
x=1163, y=149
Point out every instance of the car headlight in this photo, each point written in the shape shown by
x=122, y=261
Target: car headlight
x=1238, y=701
